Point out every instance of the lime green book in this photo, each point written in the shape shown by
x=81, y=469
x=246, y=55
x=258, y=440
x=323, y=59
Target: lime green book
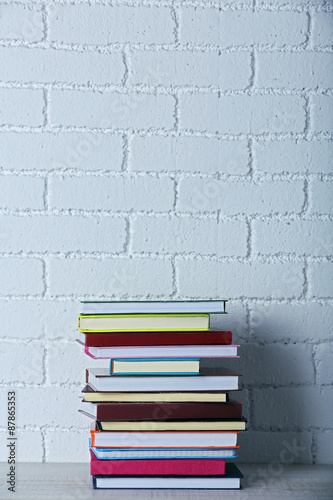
x=143, y=322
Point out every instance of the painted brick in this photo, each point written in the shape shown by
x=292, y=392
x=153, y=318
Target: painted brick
x=228, y=28
x=91, y=109
x=31, y=319
x=56, y=406
x=322, y=113
x=29, y=192
x=292, y=408
x=309, y=69
x=108, y=193
x=321, y=279
x=310, y=322
x=235, y=321
x=276, y=364
x=21, y=276
x=190, y=154
x=322, y=28
x=28, y=365
x=21, y=22
x=204, y=236
x=240, y=197
x=68, y=446
x=300, y=237
x=50, y=65
x=291, y=157
x=281, y=447
x=324, y=447
x=322, y=197
x=104, y=24
x=30, y=448
x=225, y=70
x=111, y=277
x=211, y=279
x=21, y=107
x=323, y=357
x=63, y=151
x=62, y=234
x=242, y=114
x=60, y=366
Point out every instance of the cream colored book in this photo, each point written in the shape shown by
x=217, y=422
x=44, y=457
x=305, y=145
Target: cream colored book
x=143, y=322
x=174, y=425
x=151, y=397
x=155, y=366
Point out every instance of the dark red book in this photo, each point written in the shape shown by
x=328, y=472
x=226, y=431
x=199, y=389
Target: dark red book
x=116, y=339
x=161, y=411
x=157, y=467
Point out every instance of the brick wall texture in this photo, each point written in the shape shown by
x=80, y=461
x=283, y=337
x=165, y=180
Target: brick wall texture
x=155, y=149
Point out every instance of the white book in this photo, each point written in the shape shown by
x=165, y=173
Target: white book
x=155, y=439
x=231, y=480
x=159, y=482
x=101, y=380
x=177, y=351
x=157, y=307
x=151, y=453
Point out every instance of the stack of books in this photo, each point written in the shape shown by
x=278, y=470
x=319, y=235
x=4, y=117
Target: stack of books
x=161, y=418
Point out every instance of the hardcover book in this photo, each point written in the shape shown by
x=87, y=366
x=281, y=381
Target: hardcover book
x=231, y=480
x=165, y=453
x=91, y=394
x=165, y=439
x=183, y=351
x=154, y=306
x=116, y=339
x=155, y=366
x=161, y=411
x=158, y=467
x=143, y=322
x=222, y=380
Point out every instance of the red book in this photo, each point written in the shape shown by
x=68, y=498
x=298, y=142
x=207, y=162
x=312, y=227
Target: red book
x=115, y=339
x=161, y=411
x=157, y=467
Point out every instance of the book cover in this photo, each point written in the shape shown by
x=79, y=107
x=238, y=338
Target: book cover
x=143, y=322
x=162, y=411
x=160, y=467
x=92, y=395
x=155, y=366
x=116, y=339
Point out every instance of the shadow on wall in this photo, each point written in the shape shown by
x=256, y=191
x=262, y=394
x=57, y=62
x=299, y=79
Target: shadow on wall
x=278, y=396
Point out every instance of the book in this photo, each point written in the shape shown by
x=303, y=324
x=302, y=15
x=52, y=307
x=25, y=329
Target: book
x=155, y=366
x=230, y=480
x=225, y=380
x=143, y=322
x=165, y=439
x=183, y=351
x=165, y=453
x=161, y=411
x=158, y=467
x=173, y=425
x=154, y=306
x=116, y=339
x=90, y=394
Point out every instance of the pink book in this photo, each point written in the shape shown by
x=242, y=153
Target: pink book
x=157, y=467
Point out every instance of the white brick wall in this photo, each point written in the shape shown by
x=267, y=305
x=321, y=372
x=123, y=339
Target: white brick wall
x=175, y=149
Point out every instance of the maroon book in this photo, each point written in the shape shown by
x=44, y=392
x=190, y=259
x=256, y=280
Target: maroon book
x=161, y=411
x=116, y=339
